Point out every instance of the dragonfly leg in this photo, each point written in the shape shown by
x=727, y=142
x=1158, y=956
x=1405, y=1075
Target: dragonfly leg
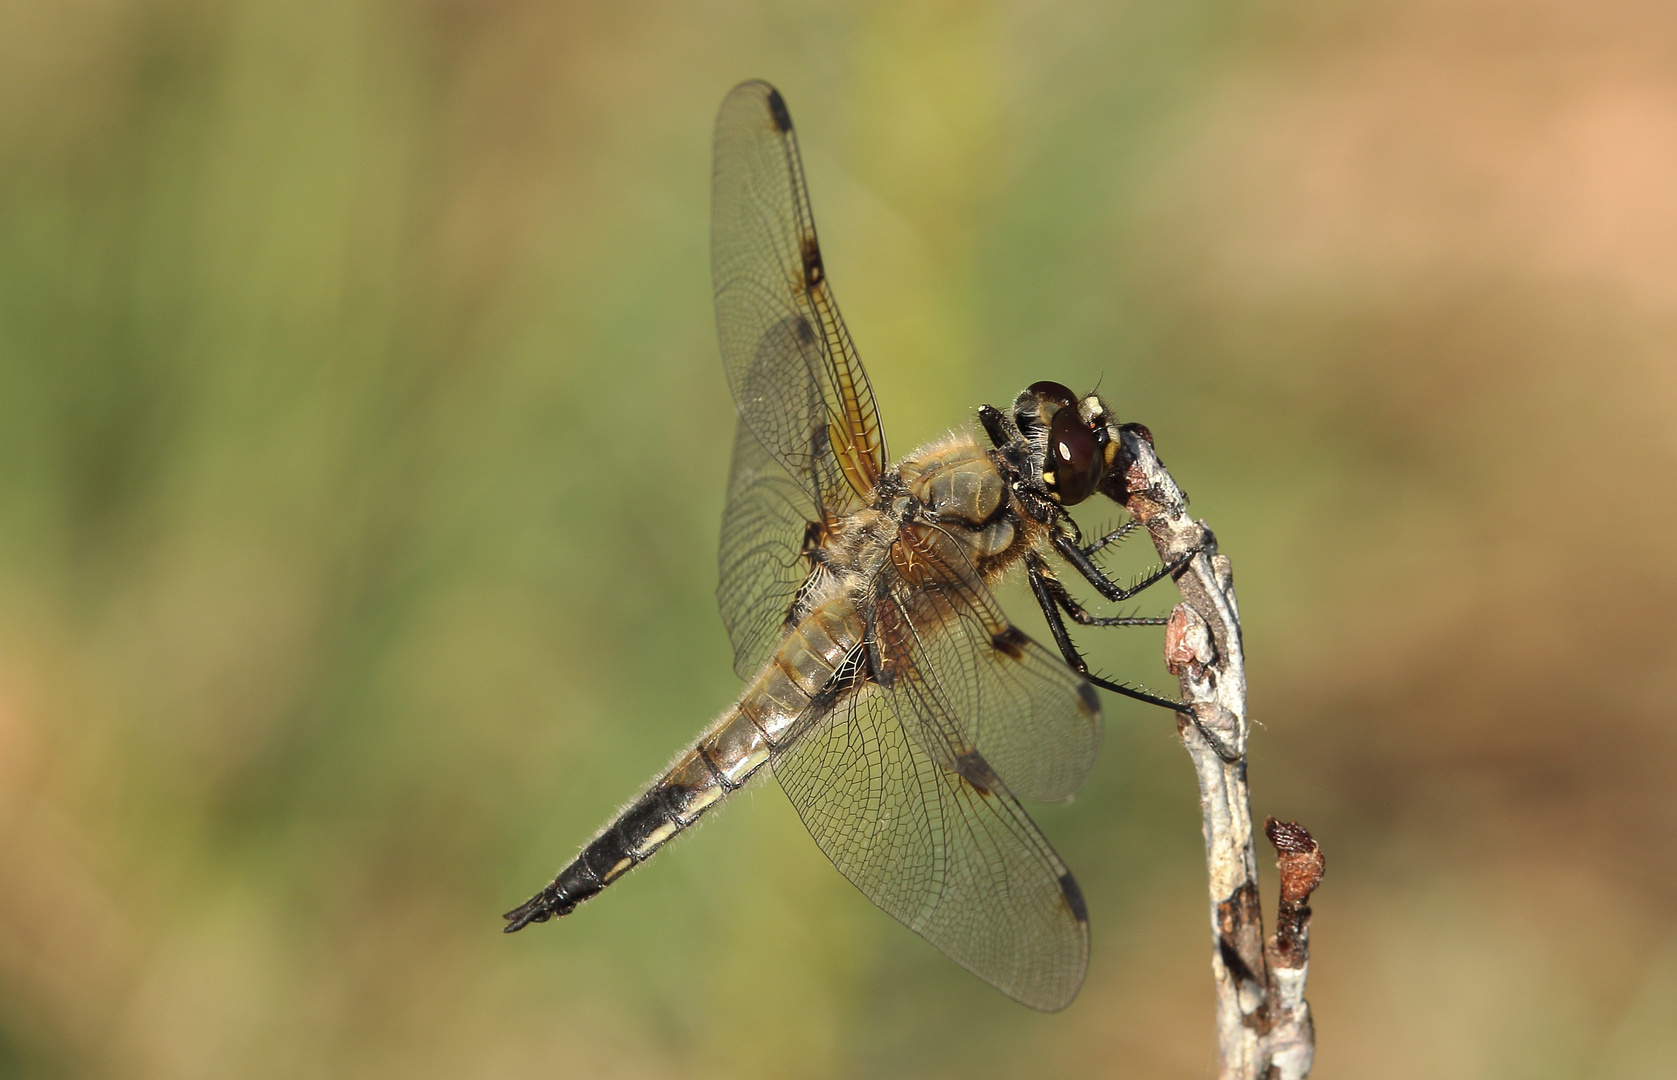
x=1113, y=537
x=1068, y=548
x=1001, y=430
x=1082, y=615
x=1051, y=596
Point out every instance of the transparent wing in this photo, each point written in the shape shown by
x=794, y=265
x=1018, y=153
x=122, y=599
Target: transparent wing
x=958, y=862
x=909, y=784
x=971, y=681
x=765, y=570
x=800, y=390
x=794, y=372
x=899, y=786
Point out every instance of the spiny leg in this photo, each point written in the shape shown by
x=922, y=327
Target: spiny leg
x=1069, y=550
x=1048, y=592
x=1080, y=614
x=1113, y=537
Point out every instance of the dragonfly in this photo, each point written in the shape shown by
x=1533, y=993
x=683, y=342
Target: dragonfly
x=900, y=710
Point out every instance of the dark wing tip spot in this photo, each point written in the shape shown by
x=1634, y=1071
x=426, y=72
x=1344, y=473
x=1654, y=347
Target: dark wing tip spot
x=777, y=107
x=1011, y=641
x=1074, y=897
x=1091, y=700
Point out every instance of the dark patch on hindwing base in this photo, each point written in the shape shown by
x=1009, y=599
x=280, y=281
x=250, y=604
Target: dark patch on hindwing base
x=813, y=552
x=814, y=534
x=1011, y=641
x=1074, y=897
x=1091, y=700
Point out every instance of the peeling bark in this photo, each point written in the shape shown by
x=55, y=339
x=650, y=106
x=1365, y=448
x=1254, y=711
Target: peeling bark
x=1263, y=1023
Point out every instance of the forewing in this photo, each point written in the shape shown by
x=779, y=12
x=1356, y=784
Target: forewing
x=970, y=680
x=764, y=574
x=961, y=865
x=791, y=365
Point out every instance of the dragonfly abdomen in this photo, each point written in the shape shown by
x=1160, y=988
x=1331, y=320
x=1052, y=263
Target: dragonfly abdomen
x=725, y=757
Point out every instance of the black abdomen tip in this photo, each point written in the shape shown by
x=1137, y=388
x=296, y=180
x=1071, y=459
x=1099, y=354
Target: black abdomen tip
x=541, y=907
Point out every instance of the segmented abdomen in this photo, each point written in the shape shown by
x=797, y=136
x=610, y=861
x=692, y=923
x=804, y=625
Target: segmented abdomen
x=729, y=753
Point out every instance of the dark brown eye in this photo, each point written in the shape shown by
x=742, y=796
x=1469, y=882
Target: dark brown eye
x=1053, y=391
x=1036, y=405
x=1078, y=461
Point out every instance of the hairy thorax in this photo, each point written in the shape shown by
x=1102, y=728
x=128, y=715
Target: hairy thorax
x=948, y=500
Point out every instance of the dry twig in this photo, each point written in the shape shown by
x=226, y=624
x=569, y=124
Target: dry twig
x=1264, y=1028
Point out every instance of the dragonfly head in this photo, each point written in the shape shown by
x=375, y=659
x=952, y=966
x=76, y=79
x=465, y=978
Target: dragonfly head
x=1072, y=441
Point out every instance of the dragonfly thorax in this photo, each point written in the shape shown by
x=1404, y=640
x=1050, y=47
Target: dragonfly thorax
x=956, y=485
x=955, y=480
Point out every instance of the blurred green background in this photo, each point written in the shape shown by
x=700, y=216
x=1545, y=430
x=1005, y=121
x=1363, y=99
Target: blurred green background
x=362, y=450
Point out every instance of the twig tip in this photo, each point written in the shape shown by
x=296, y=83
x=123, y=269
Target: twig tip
x=1299, y=858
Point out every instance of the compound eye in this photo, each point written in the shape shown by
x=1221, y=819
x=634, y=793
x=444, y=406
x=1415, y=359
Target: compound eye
x=1079, y=463
x=1052, y=391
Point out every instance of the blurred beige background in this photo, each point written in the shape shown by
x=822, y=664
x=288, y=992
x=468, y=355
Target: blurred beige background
x=362, y=449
